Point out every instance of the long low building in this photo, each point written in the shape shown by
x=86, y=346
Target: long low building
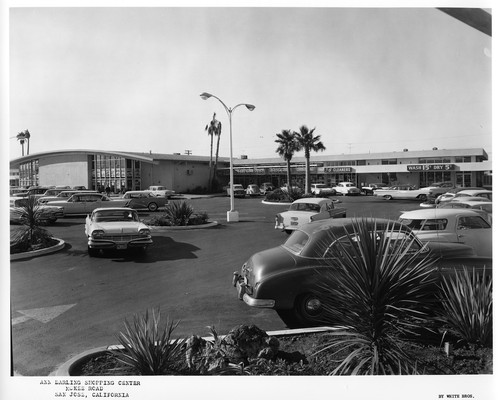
x=121, y=171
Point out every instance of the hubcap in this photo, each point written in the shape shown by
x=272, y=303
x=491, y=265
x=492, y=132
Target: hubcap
x=313, y=305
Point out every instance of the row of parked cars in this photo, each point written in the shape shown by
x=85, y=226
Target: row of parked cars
x=291, y=278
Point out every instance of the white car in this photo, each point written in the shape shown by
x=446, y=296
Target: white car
x=161, y=191
x=253, y=190
x=303, y=211
x=347, y=189
x=464, y=192
x=403, y=192
x=321, y=189
x=116, y=228
x=451, y=225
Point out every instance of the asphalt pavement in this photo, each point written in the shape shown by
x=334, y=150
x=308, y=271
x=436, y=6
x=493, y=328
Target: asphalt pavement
x=66, y=303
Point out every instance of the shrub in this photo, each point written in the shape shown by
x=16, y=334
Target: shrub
x=279, y=195
x=382, y=290
x=178, y=213
x=467, y=306
x=31, y=235
x=148, y=347
x=198, y=218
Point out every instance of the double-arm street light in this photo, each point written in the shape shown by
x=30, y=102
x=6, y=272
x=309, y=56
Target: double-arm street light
x=232, y=214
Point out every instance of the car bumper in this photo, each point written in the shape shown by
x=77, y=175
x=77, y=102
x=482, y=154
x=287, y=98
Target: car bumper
x=108, y=244
x=240, y=285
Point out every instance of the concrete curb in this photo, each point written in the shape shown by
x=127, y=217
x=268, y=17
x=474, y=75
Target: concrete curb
x=274, y=203
x=37, y=253
x=210, y=224
x=70, y=365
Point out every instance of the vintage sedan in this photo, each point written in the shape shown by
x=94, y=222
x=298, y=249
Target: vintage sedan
x=347, y=189
x=116, y=228
x=451, y=225
x=321, y=189
x=44, y=214
x=85, y=203
x=290, y=278
x=161, y=191
x=371, y=187
x=253, y=190
x=402, y=192
x=144, y=199
x=303, y=211
x=63, y=195
x=238, y=190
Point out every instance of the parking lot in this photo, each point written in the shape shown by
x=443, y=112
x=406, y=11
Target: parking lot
x=65, y=303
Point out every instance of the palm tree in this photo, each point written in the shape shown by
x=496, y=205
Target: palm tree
x=287, y=147
x=209, y=128
x=217, y=132
x=27, y=136
x=307, y=142
x=21, y=136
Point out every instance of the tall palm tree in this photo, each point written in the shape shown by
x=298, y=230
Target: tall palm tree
x=212, y=128
x=27, y=135
x=308, y=142
x=21, y=136
x=217, y=133
x=287, y=147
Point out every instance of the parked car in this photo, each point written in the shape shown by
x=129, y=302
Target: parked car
x=44, y=214
x=451, y=225
x=347, y=189
x=321, y=189
x=116, y=228
x=36, y=191
x=450, y=194
x=305, y=210
x=162, y=191
x=238, y=189
x=144, y=199
x=253, y=190
x=85, y=203
x=63, y=195
x=289, y=278
x=478, y=204
x=369, y=188
x=439, y=188
x=266, y=187
x=467, y=193
x=402, y=192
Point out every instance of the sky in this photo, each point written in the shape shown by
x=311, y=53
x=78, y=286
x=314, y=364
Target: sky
x=129, y=79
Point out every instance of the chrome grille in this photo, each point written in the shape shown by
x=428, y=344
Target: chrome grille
x=121, y=238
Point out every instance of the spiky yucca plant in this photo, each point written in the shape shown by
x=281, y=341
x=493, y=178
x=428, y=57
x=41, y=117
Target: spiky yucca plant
x=384, y=281
x=148, y=347
x=31, y=234
x=178, y=213
x=467, y=300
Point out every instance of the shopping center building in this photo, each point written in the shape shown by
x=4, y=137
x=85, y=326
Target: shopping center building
x=186, y=173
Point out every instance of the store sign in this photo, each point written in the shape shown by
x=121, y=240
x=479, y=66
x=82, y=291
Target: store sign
x=430, y=167
x=246, y=171
x=337, y=169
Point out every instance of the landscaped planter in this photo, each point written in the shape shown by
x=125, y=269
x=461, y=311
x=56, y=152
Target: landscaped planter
x=73, y=366
x=40, y=252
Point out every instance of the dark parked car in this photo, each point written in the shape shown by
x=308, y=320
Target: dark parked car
x=289, y=278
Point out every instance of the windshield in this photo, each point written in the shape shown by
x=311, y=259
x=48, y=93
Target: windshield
x=438, y=224
x=116, y=216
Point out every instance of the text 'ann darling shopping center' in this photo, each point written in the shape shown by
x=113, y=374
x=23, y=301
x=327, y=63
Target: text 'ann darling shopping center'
x=121, y=171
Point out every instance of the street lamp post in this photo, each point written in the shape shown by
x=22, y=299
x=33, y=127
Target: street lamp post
x=232, y=214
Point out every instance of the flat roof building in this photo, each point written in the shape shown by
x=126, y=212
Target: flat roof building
x=121, y=171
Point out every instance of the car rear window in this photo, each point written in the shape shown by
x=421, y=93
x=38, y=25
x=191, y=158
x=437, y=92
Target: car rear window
x=296, y=241
x=305, y=207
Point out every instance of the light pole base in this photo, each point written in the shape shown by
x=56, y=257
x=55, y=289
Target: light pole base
x=233, y=216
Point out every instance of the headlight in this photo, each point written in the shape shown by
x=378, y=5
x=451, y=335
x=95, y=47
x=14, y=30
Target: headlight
x=98, y=233
x=144, y=232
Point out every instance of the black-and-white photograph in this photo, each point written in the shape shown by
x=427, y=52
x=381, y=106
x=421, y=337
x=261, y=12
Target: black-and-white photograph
x=247, y=200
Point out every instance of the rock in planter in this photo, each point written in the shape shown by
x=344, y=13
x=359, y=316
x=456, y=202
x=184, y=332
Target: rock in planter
x=241, y=345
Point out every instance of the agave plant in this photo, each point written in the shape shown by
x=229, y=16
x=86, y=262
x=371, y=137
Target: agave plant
x=148, y=347
x=178, y=213
x=31, y=234
x=467, y=306
x=384, y=287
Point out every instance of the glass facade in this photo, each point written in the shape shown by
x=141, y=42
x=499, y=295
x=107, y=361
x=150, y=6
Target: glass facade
x=29, y=174
x=119, y=174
